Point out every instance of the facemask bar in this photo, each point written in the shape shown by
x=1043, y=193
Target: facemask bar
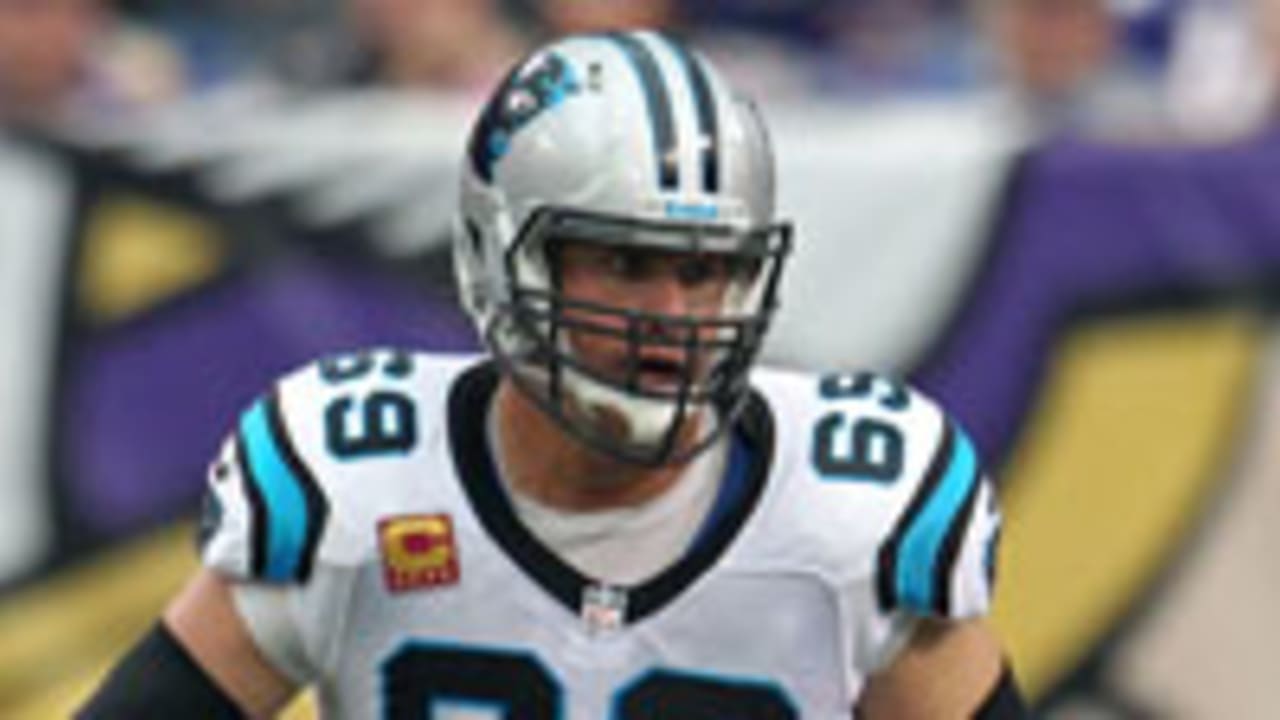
x=528, y=332
x=557, y=405
x=732, y=336
x=735, y=334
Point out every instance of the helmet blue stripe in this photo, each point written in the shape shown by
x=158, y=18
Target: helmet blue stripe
x=658, y=100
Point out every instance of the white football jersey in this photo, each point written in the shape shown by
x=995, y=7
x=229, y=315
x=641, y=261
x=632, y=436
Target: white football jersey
x=362, y=491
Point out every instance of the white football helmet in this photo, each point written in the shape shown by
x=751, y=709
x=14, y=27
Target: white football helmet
x=623, y=139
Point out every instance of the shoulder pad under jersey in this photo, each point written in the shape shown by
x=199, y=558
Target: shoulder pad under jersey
x=897, y=485
x=285, y=489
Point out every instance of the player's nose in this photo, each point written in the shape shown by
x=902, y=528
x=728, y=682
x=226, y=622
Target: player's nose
x=667, y=295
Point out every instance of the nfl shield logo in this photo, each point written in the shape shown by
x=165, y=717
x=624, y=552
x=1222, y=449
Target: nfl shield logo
x=418, y=551
x=604, y=608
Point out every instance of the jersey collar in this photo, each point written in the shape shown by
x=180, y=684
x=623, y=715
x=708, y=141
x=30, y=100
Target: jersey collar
x=753, y=441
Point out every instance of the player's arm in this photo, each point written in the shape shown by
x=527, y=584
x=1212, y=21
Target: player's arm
x=935, y=576
x=948, y=669
x=198, y=661
x=204, y=619
x=231, y=644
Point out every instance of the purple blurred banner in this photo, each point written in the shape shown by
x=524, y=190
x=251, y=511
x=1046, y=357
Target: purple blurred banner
x=147, y=406
x=1090, y=227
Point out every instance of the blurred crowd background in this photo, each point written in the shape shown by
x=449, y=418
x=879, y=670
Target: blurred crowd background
x=1134, y=68
x=1060, y=217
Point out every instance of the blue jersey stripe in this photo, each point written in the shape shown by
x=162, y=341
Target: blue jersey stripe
x=923, y=540
x=287, y=516
x=733, y=487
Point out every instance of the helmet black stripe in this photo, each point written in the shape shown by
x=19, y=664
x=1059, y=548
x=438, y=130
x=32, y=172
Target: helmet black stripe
x=708, y=126
x=658, y=99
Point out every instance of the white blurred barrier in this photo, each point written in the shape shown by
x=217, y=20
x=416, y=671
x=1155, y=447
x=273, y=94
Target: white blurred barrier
x=34, y=210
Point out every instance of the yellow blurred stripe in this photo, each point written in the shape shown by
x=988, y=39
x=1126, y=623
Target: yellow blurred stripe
x=62, y=636
x=140, y=252
x=64, y=632
x=1116, y=466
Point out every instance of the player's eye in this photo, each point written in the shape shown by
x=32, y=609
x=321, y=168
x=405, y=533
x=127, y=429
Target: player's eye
x=630, y=264
x=699, y=269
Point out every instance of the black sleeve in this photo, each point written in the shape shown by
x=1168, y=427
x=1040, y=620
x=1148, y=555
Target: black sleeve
x=158, y=679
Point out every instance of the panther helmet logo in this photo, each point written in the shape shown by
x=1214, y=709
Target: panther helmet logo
x=537, y=85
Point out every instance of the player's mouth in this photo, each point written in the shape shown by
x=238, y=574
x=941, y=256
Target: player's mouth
x=660, y=373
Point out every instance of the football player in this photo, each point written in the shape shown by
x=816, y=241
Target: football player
x=613, y=513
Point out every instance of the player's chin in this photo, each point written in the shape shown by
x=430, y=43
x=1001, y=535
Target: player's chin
x=611, y=423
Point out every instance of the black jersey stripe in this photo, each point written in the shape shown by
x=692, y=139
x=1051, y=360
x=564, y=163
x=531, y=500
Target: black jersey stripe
x=317, y=504
x=257, y=511
x=658, y=101
x=708, y=123
x=951, y=549
x=887, y=559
